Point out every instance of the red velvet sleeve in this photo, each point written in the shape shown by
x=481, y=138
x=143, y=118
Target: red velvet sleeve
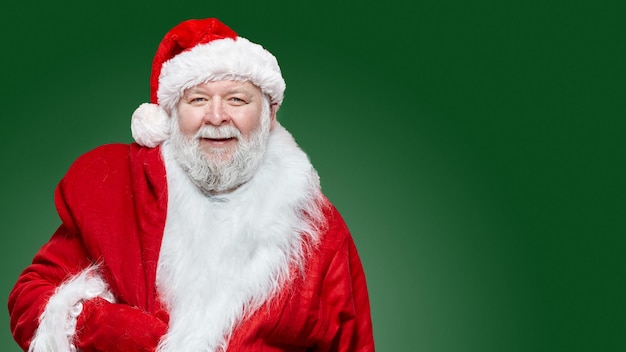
x=56, y=261
x=63, y=256
x=345, y=292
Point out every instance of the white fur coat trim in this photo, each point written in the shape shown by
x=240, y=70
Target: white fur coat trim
x=57, y=324
x=223, y=257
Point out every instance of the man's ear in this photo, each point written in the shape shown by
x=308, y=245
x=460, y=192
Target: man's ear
x=273, y=111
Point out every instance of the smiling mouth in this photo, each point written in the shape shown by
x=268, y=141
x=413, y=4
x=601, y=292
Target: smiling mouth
x=219, y=141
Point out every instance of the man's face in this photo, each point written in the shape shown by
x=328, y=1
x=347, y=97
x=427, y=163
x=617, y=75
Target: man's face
x=229, y=110
x=220, y=132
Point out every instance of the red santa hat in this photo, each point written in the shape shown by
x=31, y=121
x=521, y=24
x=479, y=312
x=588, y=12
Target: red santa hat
x=194, y=52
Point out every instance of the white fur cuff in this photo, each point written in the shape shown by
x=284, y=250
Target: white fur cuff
x=57, y=324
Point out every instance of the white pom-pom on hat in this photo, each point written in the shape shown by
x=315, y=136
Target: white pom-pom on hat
x=150, y=125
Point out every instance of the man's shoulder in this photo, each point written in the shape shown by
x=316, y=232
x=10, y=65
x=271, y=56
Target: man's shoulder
x=335, y=231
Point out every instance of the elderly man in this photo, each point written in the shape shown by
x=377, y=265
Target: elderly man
x=208, y=234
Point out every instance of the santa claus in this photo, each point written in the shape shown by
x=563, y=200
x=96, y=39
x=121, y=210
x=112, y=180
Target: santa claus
x=208, y=234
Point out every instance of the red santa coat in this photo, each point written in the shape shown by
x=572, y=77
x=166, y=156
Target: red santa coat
x=113, y=206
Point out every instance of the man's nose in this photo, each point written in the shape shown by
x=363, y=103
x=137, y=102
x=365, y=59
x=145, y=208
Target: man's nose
x=216, y=114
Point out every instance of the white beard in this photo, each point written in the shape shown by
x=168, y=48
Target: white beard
x=223, y=256
x=211, y=174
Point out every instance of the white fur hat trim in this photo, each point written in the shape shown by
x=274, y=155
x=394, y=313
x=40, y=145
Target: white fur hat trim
x=224, y=59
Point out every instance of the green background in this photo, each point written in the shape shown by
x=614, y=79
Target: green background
x=475, y=148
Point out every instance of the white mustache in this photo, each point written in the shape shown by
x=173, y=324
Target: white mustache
x=217, y=132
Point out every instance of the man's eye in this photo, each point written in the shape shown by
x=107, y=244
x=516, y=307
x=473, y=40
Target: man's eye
x=237, y=100
x=197, y=100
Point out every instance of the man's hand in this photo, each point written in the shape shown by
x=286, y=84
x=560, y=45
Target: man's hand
x=105, y=326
